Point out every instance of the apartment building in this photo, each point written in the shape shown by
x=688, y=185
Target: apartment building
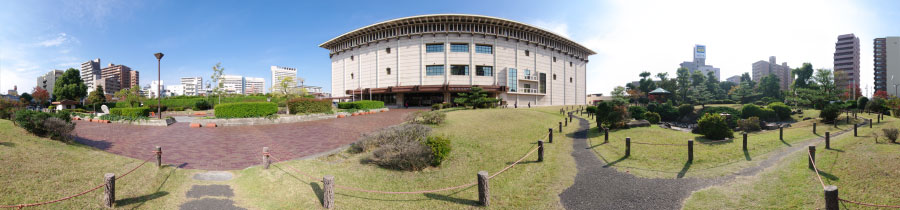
x=887, y=64
x=48, y=80
x=846, y=62
x=254, y=85
x=783, y=72
x=193, y=86
x=279, y=73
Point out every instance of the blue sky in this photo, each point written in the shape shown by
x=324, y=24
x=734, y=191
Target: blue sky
x=249, y=36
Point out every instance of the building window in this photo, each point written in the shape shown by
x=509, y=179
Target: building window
x=432, y=48
x=351, y=57
x=543, y=83
x=459, y=70
x=459, y=47
x=484, y=70
x=388, y=71
x=570, y=80
x=485, y=49
x=554, y=59
x=388, y=50
x=434, y=70
x=527, y=52
x=554, y=76
x=570, y=63
x=513, y=80
x=527, y=72
x=351, y=75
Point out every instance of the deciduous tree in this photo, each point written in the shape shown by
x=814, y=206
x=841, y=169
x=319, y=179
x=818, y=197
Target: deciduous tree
x=70, y=86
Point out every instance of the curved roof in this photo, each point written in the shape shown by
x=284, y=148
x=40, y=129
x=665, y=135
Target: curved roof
x=462, y=18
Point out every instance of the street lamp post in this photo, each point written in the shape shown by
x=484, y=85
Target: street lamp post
x=159, y=57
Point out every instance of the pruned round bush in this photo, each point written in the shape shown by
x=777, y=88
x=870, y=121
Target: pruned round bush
x=861, y=102
x=389, y=135
x=591, y=109
x=685, y=109
x=781, y=111
x=652, y=117
x=162, y=108
x=309, y=105
x=131, y=112
x=735, y=114
x=667, y=112
x=402, y=147
x=750, y=124
x=54, y=125
x=891, y=133
x=830, y=112
x=363, y=104
x=714, y=126
x=432, y=117
x=637, y=112
x=750, y=110
x=201, y=105
x=59, y=129
x=245, y=109
x=402, y=155
x=440, y=149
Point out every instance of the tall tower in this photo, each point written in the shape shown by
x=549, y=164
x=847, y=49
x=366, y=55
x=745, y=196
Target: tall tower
x=700, y=55
x=846, y=63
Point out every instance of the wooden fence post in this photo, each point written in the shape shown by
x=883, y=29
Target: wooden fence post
x=781, y=132
x=560, y=127
x=812, y=154
x=540, y=151
x=690, y=150
x=745, y=141
x=567, y=122
x=550, y=135
x=831, y=197
x=484, y=193
x=266, y=161
x=814, y=128
x=870, y=123
x=158, y=157
x=627, y=146
x=827, y=140
x=109, y=194
x=605, y=135
x=854, y=129
x=328, y=197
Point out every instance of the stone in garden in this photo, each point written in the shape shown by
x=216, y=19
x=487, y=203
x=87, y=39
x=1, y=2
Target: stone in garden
x=638, y=123
x=105, y=109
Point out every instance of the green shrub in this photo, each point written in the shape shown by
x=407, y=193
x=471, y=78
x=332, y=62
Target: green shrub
x=637, y=112
x=831, y=112
x=131, y=112
x=749, y=124
x=162, y=108
x=440, y=148
x=401, y=147
x=851, y=104
x=78, y=110
x=177, y=109
x=781, y=111
x=877, y=105
x=591, y=109
x=652, y=107
x=603, y=109
x=752, y=110
x=735, y=114
x=616, y=118
x=437, y=107
x=112, y=117
x=309, y=105
x=432, y=117
x=54, y=125
x=201, y=105
x=891, y=133
x=685, y=110
x=714, y=127
x=861, y=102
x=667, y=112
x=364, y=104
x=653, y=117
x=245, y=109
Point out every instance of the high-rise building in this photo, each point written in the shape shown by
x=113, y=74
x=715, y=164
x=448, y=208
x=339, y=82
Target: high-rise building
x=736, y=79
x=887, y=64
x=846, y=63
x=783, y=72
x=174, y=90
x=47, y=81
x=153, y=90
x=90, y=72
x=192, y=85
x=233, y=84
x=127, y=78
x=699, y=63
x=279, y=73
x=254, y=85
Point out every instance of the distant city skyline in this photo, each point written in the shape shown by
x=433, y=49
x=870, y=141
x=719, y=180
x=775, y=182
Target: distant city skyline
x=629, y=37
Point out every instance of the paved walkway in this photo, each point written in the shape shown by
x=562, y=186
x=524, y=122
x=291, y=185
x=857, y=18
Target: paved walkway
x=598, y=186
x=229, y=148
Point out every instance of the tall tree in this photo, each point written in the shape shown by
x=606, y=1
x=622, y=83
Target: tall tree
x=646, y=84
x=712, y=86
x=802, y=75
x=684, y=82
x=746, y=78
x=25, y=98
x=665, y=82
x=825, y=80
x=96, y=97
x=40, y=96
x=770, y=86
x=216, y=77
x=475, y=97
x=70, y=86
x=132, y=96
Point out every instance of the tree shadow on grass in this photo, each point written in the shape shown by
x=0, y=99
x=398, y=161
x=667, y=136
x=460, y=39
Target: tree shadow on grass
x=687, y=165
x=8, y=144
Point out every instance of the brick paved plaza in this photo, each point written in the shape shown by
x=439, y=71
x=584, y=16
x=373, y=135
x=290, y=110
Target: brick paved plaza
x=227, y=148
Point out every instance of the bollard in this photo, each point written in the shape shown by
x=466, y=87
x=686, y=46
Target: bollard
x=266, y=158
x=690, y=150
x=550, y=135
x=831, y=197
x=780, y=132
x=814, y=128
x=540, y=151
x=879, y=118
x=605, y=135
x=627, y=146
x=484, y=193
x=560, y=127
x=328, y=197
x=854, y=129
x=109, y=194
x=567, y=122
x=812, y=153
x=745, y=141
x=870, y=123
x=848, y=119
x=827, y=140
x=158, y=156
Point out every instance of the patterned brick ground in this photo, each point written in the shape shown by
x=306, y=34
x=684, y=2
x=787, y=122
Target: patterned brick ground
x=228, y=148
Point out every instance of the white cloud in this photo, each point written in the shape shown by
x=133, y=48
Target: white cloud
x=560, y=28
x=656, y=36
x=60, y=39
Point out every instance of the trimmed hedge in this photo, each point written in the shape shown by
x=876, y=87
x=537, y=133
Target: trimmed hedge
x=735, y=114
x=246, y=109
x=308, y=105
x=364, y=104
x=714, y=127
x=783, y=112
x=131, y=112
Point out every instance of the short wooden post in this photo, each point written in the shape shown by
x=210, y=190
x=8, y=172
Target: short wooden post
x=540, y=151
x=484, y=193
x=560, y=127
x=158, y=156
x=266, y=161
x=831, y=197
x=812, y=154
x=870, y=123
x=690, y=150
x=627, y=146
x=328, y=197
x=550, y=135
x=567, y=122
x=848, y=119
x=109, y=194
x=827, y=140
x=854, y=129
x=605, y=135
x=781, y=132
x=879, y=118
x=745, y=141
x=814, y=127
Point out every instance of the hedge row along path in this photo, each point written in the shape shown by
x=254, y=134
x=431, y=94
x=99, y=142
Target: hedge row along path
x=231, y=148
x=598, y=186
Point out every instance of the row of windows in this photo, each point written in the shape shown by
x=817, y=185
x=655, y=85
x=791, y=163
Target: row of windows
x=454, y=47
x=460, y=70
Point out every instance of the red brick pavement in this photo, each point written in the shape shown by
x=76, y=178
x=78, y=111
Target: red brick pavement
x=228, y=148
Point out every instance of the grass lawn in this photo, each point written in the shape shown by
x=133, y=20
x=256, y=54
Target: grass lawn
x=862, y=170
x=710, y=158
x=38, y=169
x=484, y=139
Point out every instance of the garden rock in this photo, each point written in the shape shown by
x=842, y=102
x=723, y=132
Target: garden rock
x=638, y=123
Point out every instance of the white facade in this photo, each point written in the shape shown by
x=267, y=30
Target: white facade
x=174, y=90
x=233, y=84
x=699, y=63
x=90, y=74
x=279, y=73
x=192, y=85
x=394, y=55
x=153, y=89
x=254, y=85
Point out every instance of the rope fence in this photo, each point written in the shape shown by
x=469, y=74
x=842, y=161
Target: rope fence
x=20, y=206
x=831, y=192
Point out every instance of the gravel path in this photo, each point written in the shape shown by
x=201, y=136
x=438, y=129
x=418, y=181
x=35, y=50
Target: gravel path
x=598, y=186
